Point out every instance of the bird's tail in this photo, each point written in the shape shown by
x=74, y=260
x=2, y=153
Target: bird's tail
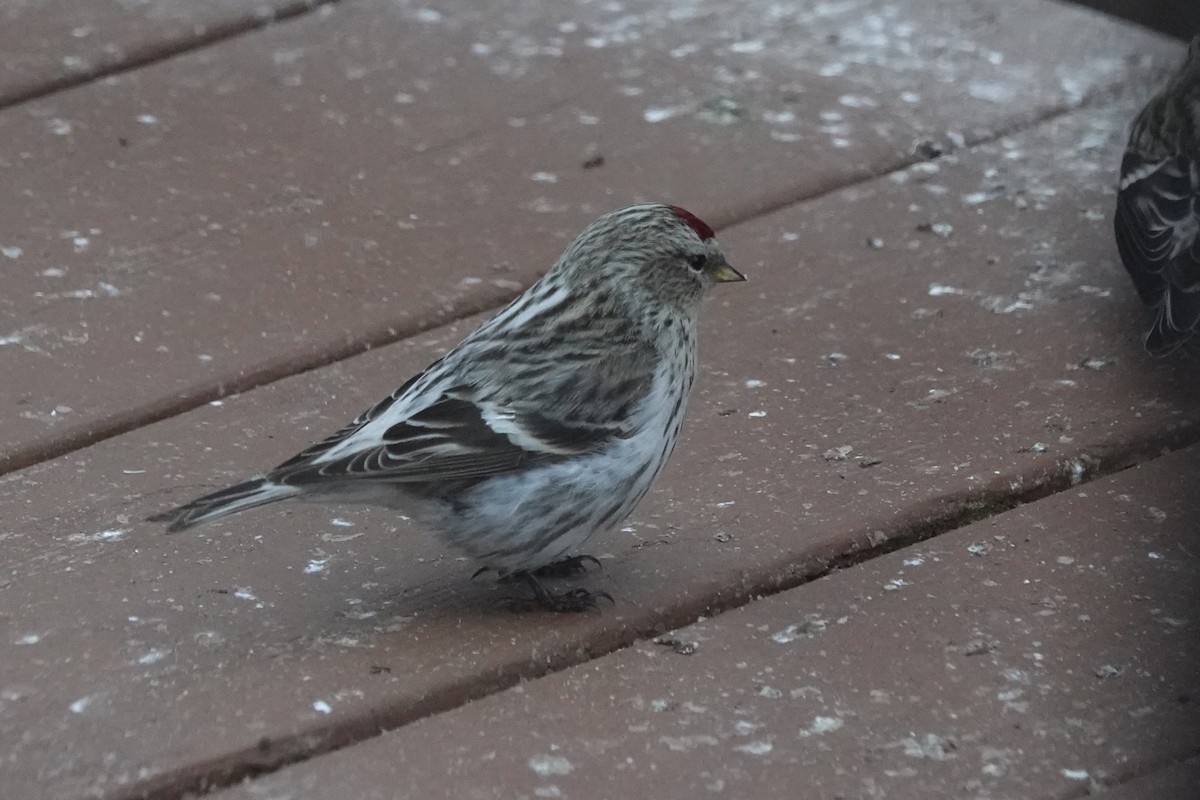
x=250, y=494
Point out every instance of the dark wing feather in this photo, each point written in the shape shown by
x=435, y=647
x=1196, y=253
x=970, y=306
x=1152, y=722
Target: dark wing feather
x=1156, y=223
x=1177, y=322
x=453, y=441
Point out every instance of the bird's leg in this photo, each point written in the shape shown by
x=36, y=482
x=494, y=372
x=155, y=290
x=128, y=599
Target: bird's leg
x=567, y=567
x=572, y=600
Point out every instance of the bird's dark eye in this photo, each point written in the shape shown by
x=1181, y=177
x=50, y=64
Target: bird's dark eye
x=697, y=261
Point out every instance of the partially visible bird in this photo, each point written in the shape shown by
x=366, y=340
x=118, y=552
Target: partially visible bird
x=1157, y=220
x=547, y=424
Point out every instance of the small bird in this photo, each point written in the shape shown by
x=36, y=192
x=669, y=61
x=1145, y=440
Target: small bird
x=1157, y=220
x=547, y=424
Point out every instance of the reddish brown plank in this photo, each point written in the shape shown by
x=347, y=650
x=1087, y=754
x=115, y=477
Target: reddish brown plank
x=282, y=200
x=1039, y=655
x=50, y=44
x=841, y=404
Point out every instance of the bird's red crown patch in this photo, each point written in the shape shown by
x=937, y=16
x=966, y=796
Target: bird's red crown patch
x=695, y=223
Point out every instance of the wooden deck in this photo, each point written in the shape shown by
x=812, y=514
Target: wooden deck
x=931, y=531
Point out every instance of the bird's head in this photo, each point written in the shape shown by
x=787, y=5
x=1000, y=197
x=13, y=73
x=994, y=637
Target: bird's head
x=657, y=252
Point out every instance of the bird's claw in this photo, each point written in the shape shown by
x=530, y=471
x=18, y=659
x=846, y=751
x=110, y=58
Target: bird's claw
x=570, y=601
x=567, y=567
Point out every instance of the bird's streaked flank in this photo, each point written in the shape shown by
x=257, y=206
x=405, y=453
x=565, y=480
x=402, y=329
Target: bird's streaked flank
x=1157, y=222
x=547, y=424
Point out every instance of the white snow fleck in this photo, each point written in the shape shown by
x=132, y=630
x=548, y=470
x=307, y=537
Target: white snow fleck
x=100, y=536
x=940, y=289
x=147, y=119
x=857, y=101
x=759, y=748
x=750, y=46
x=1154, y=556
x=80, y=705
x=915, y=561
x=839, y=453
x=779, y=117
x=754, y=383
x=11, y=251
x=315, y=565
x=49, y=272
x=59, y=127
x=244, y=594
x=653, y=115
x=892, y=356
x=1075, y=774
x=550, y=765
x=429, y=15
x=990, y=92
x=30, y=638
x=788, y=634
x=1077, y=471
x=757, y=414
x=929, y=746
x=321, y=707
x=822, y=725
x=1001, y=305
x=152, y=657
x=341, y=523
x=682, y=744
x=544, y=177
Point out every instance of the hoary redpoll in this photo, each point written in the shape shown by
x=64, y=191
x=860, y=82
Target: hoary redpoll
x=1158, y=207
x=547, y=424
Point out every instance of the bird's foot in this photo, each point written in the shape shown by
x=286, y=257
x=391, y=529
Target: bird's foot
x=570, y=601
x=567, y=567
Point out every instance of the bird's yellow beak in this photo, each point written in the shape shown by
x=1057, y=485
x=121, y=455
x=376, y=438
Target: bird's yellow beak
x=727, y=274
